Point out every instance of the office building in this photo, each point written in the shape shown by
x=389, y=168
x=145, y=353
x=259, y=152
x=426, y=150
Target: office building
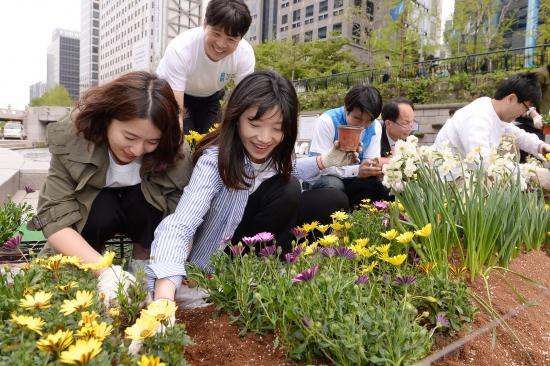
x=36, y=90
x=63, y=61
x=89, y=44
x=133, y=34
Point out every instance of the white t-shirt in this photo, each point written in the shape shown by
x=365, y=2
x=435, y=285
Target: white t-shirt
x=261, y=174
x=187, y=68
x=123, y=175
x=478, y=125
x=323, y=139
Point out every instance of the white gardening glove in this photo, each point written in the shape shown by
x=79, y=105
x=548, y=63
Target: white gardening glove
x=135, y=346
x=543, y=177
x=537, y=122
x=108, y=284
x=337, y=157
x=544, y=149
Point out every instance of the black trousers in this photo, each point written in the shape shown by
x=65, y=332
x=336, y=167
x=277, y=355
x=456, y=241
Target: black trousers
x=121, y=210
x=277, y=206
x=202, y=112
x=358, y=189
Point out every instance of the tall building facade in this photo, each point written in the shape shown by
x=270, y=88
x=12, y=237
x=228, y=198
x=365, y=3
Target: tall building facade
x=64, y=60
x=133, y=34
x=36, y=90
x=306, y=20
x=89, y=44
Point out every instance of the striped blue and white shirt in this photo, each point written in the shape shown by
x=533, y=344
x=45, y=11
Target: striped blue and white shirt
x=207, y=212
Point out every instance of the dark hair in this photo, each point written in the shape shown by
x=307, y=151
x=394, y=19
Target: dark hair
x=232, y=16
x=452, y=111
x=264, y=90
x=388, y=57
x=137, y=94
x=390, y=111
x=525, y=86
x=365, y=98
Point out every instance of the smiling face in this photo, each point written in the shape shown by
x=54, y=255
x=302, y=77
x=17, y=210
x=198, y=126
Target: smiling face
x=514, y=108
x=133, y=138
x=403, y=125
x=217, y=44
x=260, y=136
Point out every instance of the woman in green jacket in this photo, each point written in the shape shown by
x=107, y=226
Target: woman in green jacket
x=120, y=167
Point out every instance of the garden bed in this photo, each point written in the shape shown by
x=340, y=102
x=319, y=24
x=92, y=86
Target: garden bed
x=217, y=341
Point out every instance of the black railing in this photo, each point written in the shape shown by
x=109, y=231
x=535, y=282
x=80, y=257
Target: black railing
x=505, y=60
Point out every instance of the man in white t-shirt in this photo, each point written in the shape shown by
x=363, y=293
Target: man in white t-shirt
x=201, y=61
x=482, y=123
x=362, y=105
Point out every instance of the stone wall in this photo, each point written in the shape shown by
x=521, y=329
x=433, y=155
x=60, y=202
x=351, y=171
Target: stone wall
x=429, y=114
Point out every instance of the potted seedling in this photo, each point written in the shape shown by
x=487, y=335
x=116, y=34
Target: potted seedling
x=546, y=124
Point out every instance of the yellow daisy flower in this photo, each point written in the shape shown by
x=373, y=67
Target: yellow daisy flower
x=396, y=260
x=30, y=290
x=27, y=322
x=328, y=240
x=340, y=216
x=346, y=240
x=88, y=318
x=54, y=343
x=106, y=260
x=337, y=226
x=86, y=332
x=425, y=231
x=160, y=310
x=54, y=263
x=82, y=301
x=67, y=287
x=427, y=268
x=390, y=234
x=405, y=237
x=189, y=138
x=150, y=361
x=114, y=312
x=309, y=227
x=145, y=327
x=97, y=331
x=82, y=352
x=364, y=252
x=72, y=260
x=457, y=270
x=348, y=225
x=38, y=261
x=383, y=248
x=323, y=228
x=362, y=242
x=40, y=300
x=365, y=269
x=383, y=256
x=89, y=267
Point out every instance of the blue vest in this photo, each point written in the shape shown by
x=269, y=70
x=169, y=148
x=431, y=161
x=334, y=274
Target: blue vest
x=338, y=117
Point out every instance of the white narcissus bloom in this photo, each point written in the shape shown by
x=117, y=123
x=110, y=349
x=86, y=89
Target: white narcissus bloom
x=470, y=158
x=445, y=145
x=528, y=170
x=412, y=139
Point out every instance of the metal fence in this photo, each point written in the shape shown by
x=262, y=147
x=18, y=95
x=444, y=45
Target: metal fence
x=504, y=60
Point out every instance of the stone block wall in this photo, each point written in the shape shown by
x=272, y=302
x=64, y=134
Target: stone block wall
x=429, y=114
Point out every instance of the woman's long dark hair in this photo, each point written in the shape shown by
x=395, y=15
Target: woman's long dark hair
x=265, y=90
x=137, y=94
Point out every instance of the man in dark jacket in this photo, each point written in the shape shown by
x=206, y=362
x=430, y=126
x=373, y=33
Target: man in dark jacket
x=398, y=117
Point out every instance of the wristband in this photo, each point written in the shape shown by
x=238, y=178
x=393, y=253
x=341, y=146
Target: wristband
x=320, y=163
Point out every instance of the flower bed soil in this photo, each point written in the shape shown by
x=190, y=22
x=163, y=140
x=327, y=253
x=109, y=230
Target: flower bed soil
x=217, y=341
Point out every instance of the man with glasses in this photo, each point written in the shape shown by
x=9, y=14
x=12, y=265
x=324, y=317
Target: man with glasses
x=362, y=104
x=398, y=117
x=482, y=123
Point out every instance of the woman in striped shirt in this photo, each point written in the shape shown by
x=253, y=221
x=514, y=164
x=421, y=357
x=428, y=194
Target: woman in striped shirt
x=244, y=182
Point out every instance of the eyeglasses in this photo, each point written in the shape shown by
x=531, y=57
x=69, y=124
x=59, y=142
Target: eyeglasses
x=529, y=109
x=414, y=126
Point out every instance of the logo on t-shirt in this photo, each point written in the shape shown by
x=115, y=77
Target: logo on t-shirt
x=222, y=76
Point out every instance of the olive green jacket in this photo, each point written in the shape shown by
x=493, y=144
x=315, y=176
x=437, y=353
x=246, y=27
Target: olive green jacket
x=78, y=172
x=543, y=74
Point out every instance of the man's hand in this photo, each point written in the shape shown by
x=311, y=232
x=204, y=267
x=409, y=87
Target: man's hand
x=338, y=158
x=543, y=177
x=370, y=168
x=544, y=149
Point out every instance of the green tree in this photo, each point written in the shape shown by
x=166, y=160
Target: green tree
x=297, y=60
x=58, y=96
x=543, y=29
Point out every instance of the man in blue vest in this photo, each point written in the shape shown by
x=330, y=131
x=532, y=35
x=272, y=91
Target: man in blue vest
x=362, y=105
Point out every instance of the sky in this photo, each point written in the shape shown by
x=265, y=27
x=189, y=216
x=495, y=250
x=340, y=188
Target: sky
x=26, y=27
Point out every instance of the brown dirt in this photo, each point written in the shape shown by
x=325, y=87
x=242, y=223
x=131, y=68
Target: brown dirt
x=217, y=341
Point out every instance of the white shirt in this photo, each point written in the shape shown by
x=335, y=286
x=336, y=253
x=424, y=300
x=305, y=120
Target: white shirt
x=123, y=175
x=323, y=139
x=478, y=125
x=261, y=174
x=187, y=68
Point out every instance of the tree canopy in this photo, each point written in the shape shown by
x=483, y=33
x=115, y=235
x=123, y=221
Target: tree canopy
x=58, y=96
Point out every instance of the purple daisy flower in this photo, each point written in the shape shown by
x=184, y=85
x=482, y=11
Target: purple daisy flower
x=297, y=250
x=307, y=275
x=328, y=252
x=412, y=254
x=264, y=237
x=226, y=239
x=362, y=279
x=249, y=240
x=13, y=242
x=403, y=217
x=386, y=222
x=306, y=321
x=290, y=258
x=441, y=320
x=29, y=189
x=405, y=280
x=547, y=196
x=236, y=249
x=345, y=252
x=298, y=233
x=267, y=251
x=386, y=277
x=380, y=205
